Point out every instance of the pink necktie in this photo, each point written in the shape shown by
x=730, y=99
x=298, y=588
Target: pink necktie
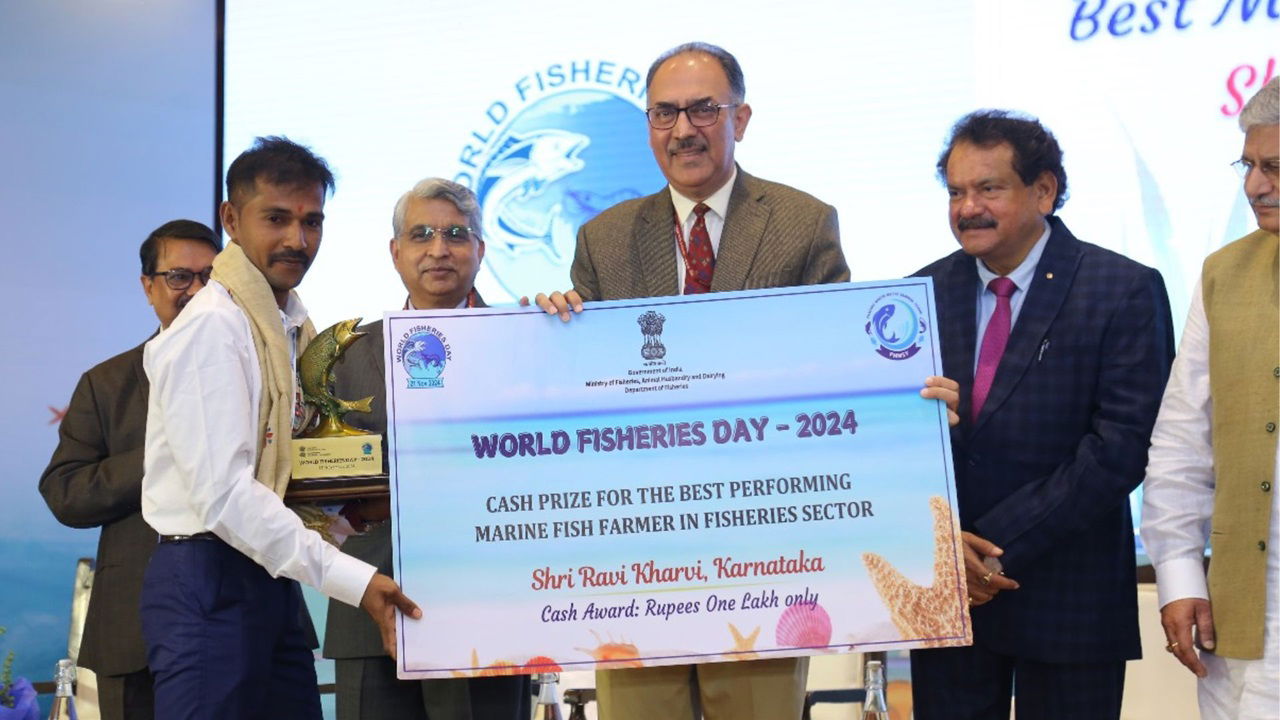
x=993, y=342
x=700, y=262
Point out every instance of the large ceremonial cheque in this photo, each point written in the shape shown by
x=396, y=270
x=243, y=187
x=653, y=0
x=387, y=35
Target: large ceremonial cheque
x=669, y=480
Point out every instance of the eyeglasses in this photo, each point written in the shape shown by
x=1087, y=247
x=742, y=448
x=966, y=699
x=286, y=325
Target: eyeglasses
x=181, y=278
x=703, y=114
x=452, y=234
x=1270, y=168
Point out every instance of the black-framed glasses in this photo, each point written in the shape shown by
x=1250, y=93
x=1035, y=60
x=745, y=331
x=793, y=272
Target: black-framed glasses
x=1270, y=168
x=452, y=234
x=702, y=114
x=181, y=278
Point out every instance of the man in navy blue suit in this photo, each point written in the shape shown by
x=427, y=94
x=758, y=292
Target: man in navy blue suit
x=1061, y=349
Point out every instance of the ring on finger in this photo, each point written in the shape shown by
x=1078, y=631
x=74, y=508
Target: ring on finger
x=986, y=579
x=1172, y=646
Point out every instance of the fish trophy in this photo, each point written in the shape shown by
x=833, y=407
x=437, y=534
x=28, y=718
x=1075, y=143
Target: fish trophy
x=332, y=448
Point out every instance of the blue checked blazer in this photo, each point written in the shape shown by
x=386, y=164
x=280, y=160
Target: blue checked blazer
x=1046, y=469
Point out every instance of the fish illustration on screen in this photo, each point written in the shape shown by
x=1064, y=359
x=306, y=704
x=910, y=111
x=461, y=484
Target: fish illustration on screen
x=522, y=168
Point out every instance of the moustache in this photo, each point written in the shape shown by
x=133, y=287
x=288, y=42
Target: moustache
x=688, y=143
x=1266, y=201
x=290, y=256
x=978, y=223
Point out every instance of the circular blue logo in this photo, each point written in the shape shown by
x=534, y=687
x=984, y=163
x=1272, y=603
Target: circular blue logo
x=894, y=326
x=560, y=161
x=423, y=356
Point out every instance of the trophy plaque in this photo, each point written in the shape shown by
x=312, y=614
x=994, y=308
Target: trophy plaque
x=333, y=460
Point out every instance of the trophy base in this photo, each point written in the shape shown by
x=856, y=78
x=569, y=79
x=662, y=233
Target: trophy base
x=336, y=490
x=336, y=469
x=334, y=457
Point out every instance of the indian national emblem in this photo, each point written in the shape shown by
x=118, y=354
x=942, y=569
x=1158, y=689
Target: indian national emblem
x=651, y=326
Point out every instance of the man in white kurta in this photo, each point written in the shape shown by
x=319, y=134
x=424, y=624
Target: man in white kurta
x=1218, y=416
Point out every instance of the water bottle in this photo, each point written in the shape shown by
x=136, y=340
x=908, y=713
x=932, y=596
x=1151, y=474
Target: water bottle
x=875, y=707
x=548, y=697
x=64, y=703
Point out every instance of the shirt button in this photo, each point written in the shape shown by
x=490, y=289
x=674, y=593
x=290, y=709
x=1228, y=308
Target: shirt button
x=1276, y=372
x=1266, y=486
x=1262, y=545
x=1271, y=427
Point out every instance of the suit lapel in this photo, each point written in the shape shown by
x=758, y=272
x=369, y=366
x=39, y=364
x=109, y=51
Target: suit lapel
x=958, y=323
x=144, y=387
x=655, y=245
x=744, y=226
x=1049, y=286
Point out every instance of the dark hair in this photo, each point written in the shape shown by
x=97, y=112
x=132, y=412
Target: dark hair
x=732, y=70
x=279, y=161
x=1035, y=149
x=149, y=253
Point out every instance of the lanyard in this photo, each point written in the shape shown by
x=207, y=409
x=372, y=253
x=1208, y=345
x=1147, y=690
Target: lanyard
x=684, y=250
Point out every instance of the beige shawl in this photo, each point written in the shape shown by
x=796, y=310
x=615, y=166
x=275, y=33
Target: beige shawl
x=250, y=291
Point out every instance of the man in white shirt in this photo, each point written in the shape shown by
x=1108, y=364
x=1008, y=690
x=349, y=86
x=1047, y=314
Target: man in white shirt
x=1213, y=462
x=220, y=605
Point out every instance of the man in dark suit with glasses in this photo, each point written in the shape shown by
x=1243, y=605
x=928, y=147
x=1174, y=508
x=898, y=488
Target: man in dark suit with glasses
x=94, y=478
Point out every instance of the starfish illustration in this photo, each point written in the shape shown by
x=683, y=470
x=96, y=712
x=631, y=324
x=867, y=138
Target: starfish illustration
x=743, y=646
x=935, y=613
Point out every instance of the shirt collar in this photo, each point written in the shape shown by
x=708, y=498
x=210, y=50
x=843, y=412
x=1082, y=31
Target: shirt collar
x=294, y=313
x=718, y=202
x=1023, y=274
x=408, y=303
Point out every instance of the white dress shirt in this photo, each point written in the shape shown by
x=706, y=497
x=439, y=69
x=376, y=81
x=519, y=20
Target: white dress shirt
x=714, y=219
x=201, y=448
x=1177, y=511
x=1021, y=276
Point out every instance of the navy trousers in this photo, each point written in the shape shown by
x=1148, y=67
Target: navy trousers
x=224, y=638
x=973, y=683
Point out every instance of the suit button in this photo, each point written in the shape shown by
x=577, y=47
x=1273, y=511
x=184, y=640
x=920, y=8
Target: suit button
x=1266, y=486
x=1276, y=372
x=1271, y=427
x=1262, y=545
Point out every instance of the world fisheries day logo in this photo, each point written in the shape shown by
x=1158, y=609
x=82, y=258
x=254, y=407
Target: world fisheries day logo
x=560, y=144
x=896, y=326
x=423, y=353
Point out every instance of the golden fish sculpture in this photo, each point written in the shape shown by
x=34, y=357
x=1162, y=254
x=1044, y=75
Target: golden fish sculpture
x=315, y=375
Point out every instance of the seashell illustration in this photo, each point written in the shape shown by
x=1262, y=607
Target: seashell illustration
x=616, y=654
x=804, y=625
x=935, y=613
x=541, y=664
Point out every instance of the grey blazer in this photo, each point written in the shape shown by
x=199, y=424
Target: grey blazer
x=95, y=479
x=774, y=236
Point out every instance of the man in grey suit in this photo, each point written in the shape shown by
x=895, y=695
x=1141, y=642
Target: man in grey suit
x=437, y=250
x=714, y=228
x=94, y=478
